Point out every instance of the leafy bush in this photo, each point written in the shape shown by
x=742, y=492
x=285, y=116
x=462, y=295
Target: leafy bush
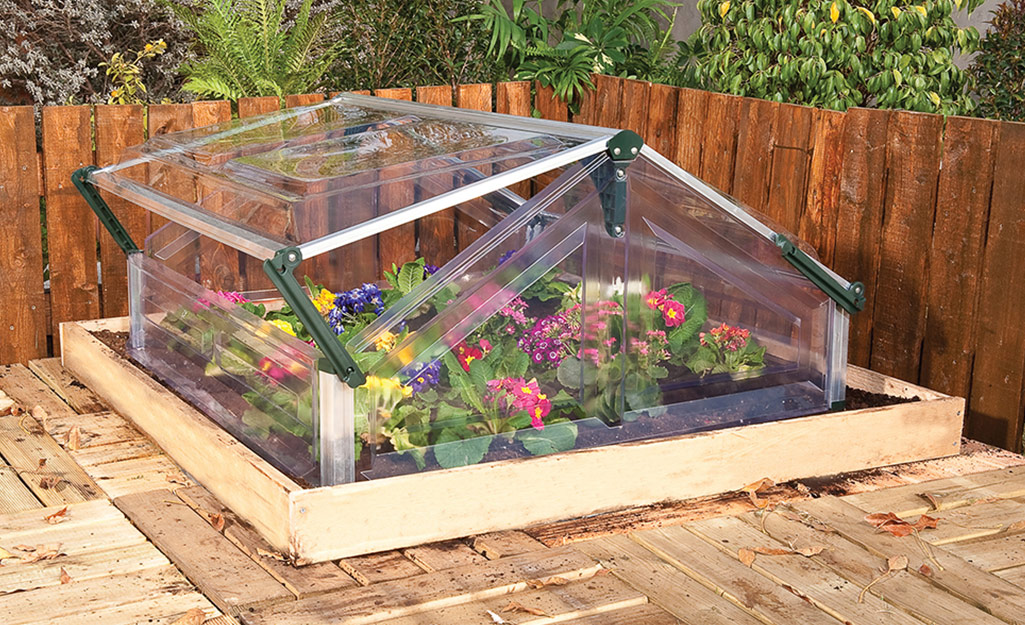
x=50, y=50
x=834, y=54
x=999, y=68
x=406, y=43
x=600, y=36
x=127, y=85
x=252, y=48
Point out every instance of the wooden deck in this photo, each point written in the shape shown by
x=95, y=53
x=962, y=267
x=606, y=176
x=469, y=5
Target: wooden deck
x=98, y=526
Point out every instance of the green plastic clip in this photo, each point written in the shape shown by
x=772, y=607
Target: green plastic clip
x=281, y=270
x=850, y=298
x=623, y=148
x=96, y=202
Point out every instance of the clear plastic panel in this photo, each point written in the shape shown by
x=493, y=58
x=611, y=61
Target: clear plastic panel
x=250, y=377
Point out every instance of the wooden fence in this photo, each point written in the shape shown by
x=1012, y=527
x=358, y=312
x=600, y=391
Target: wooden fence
x=927, y=211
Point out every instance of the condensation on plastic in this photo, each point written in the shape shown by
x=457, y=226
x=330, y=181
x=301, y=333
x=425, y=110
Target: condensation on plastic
x=254, y=380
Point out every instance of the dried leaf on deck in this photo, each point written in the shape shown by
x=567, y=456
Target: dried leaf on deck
x=746, y=556
x=73, y=439
x=754, y=488
x=894, y=564
x=4, y=554
x=1017, y=526
x=519, y=607
x=39, y=414
x=65, y=578
x=195, y=616
x=50, y=481
x=537, y=584
x=264, y=553
x=925, y=570
x=808, y=552
x=217, y=521
x=42, y=463
x=890, y=522
x=933, y=499
x=57, y=517
x=44, y=552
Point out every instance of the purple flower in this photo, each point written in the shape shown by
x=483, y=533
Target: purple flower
x=506, y=256
x=551, y=339
x=424, y=376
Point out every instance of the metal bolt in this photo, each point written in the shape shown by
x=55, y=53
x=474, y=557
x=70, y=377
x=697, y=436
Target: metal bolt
x=618, y=230
x=616, y=151
x=620, y=174
x=292, y=257
x=302, y=510
x=633, y=150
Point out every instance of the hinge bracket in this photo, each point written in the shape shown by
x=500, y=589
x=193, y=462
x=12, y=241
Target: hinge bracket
x=622, y=148
x=80, y=178
x=851, y=298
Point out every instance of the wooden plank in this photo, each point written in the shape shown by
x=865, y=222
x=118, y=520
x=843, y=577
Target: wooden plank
x=80, y=567
x=443, y=555
x=15, y=496
x=821, y=209
x=233, y=473
x=165, y=609
x=379, y=567
x=468, y=227
x=949, y=572
x=660, y=125
x=502, y=544
x=950, y=493
x=395, y=94
x=719, y=150
x=729, y=578
x=70, y=224
x=431, y=591
x=988, y=518
x=756, y=135
x=691, y=110
x=437, y=235
x=70, y=390
x=303, y=99
x=23, y=317
x=52, y=475
x=806, y=578
x=97, y=511
x=435, y=94
x=79, y=538
x=791, y=163
x=164, y=119
x=995, y=553
x=476, y=97
x=301, y=581
x=634, y=113
x=906, y=591
x=513, y=98
x=118, y=127
x=95, y=455
x=608, y=100
x=548, y=105
x=25, y=388
x=137, y=475
x=1016, y=575
x=997, y=375
x=639, y=615
x=95, y=430
x=665, y=585
x=860, y=216
x=956, y=253
x=94, y=596
x=913, y=162
x=227, y=576
x=250, y=107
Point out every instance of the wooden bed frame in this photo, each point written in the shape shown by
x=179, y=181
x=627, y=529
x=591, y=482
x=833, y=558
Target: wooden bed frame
x=319, y=524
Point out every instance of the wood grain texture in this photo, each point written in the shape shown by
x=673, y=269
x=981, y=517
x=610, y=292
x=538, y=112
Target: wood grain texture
x=821, y=211
x=948, y=494
x=513, y=98
x=719, y=152
x=164, y=119
x=227, y=576
x=660, y=124
x=437, y=232
x=15, y=495
x=508, y=543
x=443, y=555
x=998, y=372
x=383, y=566
x=23, y=319
x=25, y=388
x=249, y=107
x=60, y=381
x=692, y=111
x=548, y=105
x=303, y=99
x=395, y=94
x=436, y=94
x=634, y=112
x=756, y=135
x=791, y=164
x=70, y=224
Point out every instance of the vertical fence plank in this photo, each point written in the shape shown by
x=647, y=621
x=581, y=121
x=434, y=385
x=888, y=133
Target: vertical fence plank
x=817, y=224
x=898, y=326
x=860, y=216
x=70, y=224
x=250, y=107
x=439, y=94
x=303, y=99
x=550, y=106
x=23, y=315
x=720, y=146
x=164, y=119
x=608, y=101
x=755, y=137
x=956, y=255
x=660, y=126
x=437, y=232
x=396, y=245
x=633, y=114
x=692, y=110
x=117, y=128
x=513, y=98
x=997, y=396
x=788, y=174
x=395, y=94
x=469, y=229
x=476, y=97
x=225, y=265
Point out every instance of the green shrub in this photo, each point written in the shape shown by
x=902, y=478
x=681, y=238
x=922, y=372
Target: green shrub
x=408, y=43
x=254, y=48
x=629, y=39
x=999, y=67
x=834, y=54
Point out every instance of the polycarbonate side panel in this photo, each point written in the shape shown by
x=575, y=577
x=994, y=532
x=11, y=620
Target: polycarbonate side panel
x=252, y=379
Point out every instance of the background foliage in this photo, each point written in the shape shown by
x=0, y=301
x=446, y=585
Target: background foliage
x=50, y=50
x=999, y=67
x=834, y=53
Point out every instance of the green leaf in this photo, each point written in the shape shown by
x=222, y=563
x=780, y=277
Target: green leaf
x=452, y=450
x=555, y=437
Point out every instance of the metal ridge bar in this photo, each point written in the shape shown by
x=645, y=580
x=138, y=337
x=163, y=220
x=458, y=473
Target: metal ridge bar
x=450, y=198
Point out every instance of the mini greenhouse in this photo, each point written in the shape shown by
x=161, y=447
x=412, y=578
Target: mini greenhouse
x=366, y=288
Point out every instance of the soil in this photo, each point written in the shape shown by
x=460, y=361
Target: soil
x=591, y=432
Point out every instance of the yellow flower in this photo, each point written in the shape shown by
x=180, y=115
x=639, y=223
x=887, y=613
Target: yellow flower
x=283, y=325
x=324, y=301
x=385, y=342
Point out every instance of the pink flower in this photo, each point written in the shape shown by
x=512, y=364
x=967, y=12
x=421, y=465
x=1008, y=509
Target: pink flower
x=485, y=345
x=655, y=299
x=673, y=313
x=233, y=296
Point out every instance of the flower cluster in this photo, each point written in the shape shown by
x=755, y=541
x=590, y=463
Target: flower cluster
x=673, y=312
x=730, y=338
x=467, y=353
x=598, y=332
x=506, y=256
x=283, y=325
x=348, y=304
x=234, y=297
x=422, y=377
x=324, y=301
x=551, y=339
x=516, y=394
x=652, y=349
x=515, y=317
x=385, y=342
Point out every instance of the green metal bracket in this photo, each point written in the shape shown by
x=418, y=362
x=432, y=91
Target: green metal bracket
x=96, y=202
x=623, y=148
x=337, y=360
x=838, y=406
x=851, y=298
